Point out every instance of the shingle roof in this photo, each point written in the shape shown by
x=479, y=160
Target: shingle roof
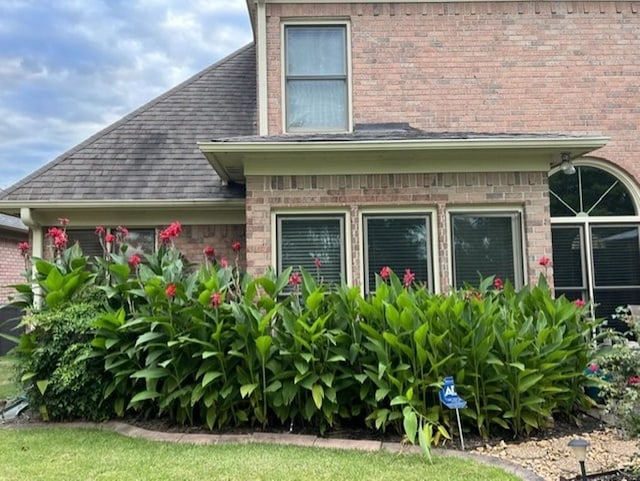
x=387, y=131
x=12, y=223
x=151, y=154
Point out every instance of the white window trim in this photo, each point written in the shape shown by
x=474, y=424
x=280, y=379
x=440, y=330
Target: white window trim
x=398, y=212
x=587, y=222
x=348, y=258
x=283, y=67
x=493, y=210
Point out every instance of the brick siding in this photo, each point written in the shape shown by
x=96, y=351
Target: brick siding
x=568, y=67
x=528, y=191
x=195, y=238
x=11, y=263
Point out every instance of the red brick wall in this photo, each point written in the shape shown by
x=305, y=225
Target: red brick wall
x=195, y=238
x=11, y=263
x=546, y=67
x=442, y=191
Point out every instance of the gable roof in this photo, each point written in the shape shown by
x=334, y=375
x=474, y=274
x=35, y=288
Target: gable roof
x=151, y=154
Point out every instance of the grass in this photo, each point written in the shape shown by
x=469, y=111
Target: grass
x=68, y=454
x=8, y=387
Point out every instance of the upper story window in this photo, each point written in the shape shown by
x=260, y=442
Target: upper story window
x=316, y=80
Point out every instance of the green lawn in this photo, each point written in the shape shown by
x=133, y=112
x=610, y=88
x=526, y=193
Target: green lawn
x=8, y=387
x=83, y=454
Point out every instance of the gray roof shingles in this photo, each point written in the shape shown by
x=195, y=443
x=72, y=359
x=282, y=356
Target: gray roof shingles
x=151, y=154
x=12, y=223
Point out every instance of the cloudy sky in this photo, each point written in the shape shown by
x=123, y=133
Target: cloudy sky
x=68, y=68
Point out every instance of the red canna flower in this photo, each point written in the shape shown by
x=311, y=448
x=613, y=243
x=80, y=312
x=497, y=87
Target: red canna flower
x=579, y=302
x=109, y=238
x=224, y=263
x=295, y=279
x=317, y=263
x=171, y=290
x=409, y=277
x=134, y=260
x=171, y=232
x=24, y=247
x=209, y=252
x=63, y=221
x=498, y=284
x=123, y=231
x=58, y=237
x=216, y=299
x=100, y=230
x=385, y=272
x=544, y=261
x=236, y=246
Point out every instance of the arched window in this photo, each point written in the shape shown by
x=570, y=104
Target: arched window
x=595, y=235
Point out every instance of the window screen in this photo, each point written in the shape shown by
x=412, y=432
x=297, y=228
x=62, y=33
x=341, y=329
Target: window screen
x=485, y=245
x=302, y=239
x=399, y=242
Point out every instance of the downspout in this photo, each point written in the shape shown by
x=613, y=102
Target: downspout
x=37, y=249
x=261, y=42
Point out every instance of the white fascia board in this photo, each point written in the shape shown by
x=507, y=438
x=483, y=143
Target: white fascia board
x=590, y=143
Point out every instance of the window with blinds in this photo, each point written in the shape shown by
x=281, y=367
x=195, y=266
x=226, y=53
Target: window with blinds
x=486, y=244
x=596, y=241
x=303, y=238
x=139, y=241
x=87, y=240
x=399, y=242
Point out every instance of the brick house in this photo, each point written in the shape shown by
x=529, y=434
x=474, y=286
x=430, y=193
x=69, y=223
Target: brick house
x=12, y=232
x=451, y=138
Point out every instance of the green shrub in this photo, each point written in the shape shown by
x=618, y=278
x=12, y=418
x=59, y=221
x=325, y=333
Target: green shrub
x=618, y=368
x=212, y=346
x=59, y=375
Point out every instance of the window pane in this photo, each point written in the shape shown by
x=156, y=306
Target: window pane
x=318, y=104
x=589, y=190
x=568, y=250
x=316, y=51
x=302, y=239
x=607, y=300
x=484, y=246
x=87, y=240
x=141, y=241
x=399, y=243
x=616, y=256
x=571, y=294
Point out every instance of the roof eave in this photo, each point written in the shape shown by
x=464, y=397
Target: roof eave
x=222, y=155
x=14, y=206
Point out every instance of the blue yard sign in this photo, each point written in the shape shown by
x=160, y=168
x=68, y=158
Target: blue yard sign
x=449, y=397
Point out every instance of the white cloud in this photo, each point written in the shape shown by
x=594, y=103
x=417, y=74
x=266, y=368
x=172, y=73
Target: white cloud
x=69, y=68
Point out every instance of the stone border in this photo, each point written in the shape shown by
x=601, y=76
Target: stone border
x=284, y=438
